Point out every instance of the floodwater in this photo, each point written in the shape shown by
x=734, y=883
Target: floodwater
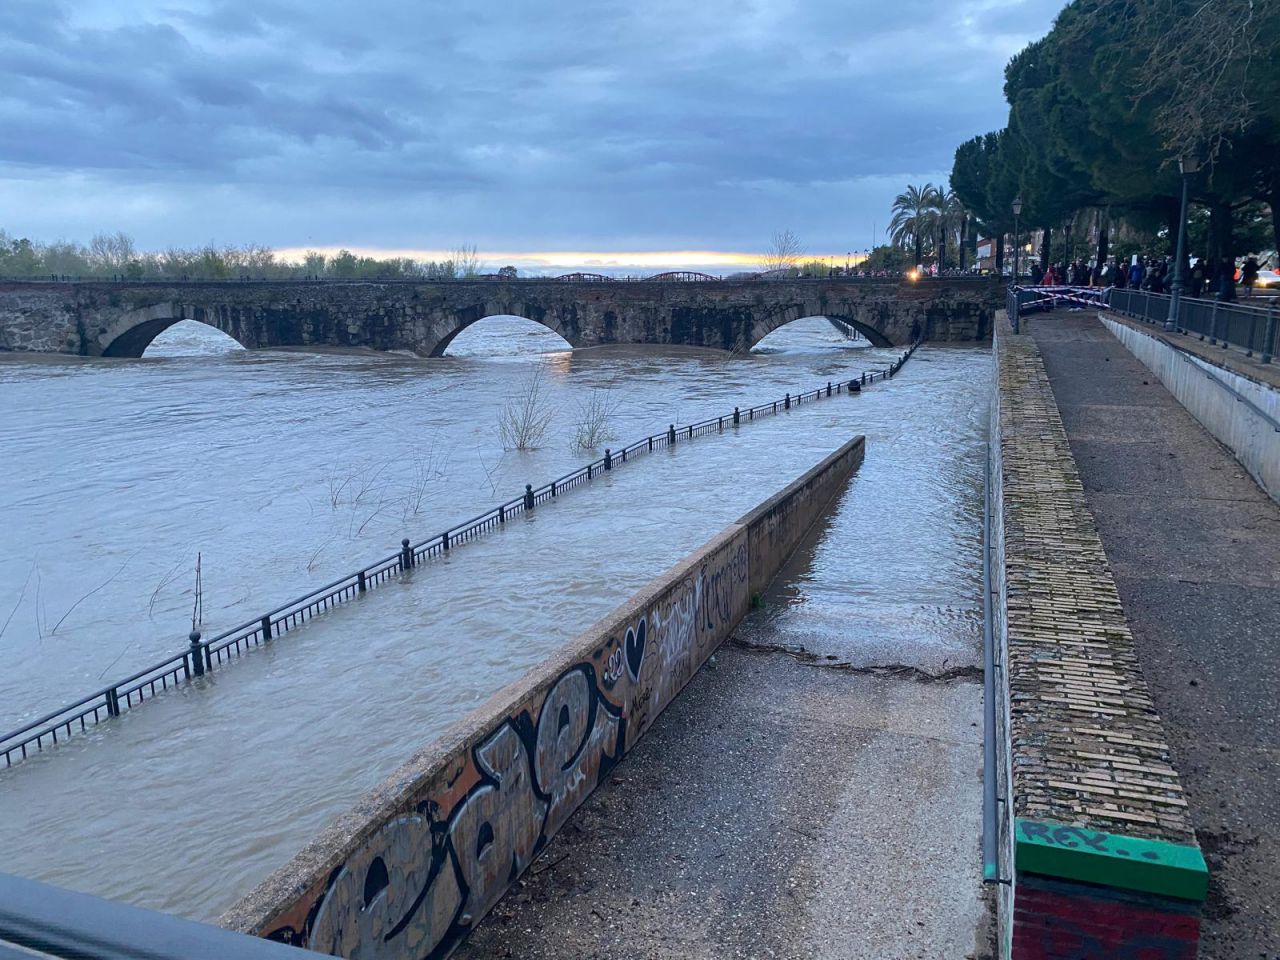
x=282, y=471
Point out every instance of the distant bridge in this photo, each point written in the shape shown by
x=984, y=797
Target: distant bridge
x=105, y=319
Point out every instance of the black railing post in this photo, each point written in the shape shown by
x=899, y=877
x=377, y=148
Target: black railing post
x=406, y=555
x=553, y=489
x=266, y=627
x=528, y=496
x=671, y=433
x=1253, y=329
x=1269, y=338
x=786, y=402
x=360, y=582
x=1213, y=325
x=690, y=431
x=608, y=459
x=113, y=703
x=444, y=540
x=502, y=509
x=197, y=658
x=828, y=388
x=864, y=378
x=737, y=417
x=651, y=444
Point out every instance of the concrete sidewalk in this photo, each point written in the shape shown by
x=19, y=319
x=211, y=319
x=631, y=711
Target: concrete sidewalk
x=1194, y=547
x=820, y=813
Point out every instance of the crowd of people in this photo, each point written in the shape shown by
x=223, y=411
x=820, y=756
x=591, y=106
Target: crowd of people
x=1205, y=276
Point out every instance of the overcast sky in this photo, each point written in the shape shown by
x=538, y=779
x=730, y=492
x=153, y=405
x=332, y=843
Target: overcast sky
x=518, y=126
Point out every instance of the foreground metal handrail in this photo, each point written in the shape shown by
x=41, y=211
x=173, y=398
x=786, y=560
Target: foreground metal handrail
x=47, y=921
x=990, y=816
x=203, y=655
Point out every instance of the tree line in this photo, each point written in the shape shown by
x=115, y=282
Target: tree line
x=1105, y=112
x=115, y=255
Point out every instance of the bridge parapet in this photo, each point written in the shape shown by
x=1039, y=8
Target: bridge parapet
x=121, y=319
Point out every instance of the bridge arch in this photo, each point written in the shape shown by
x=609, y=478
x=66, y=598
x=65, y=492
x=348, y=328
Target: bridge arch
x=509, y=327
x=130, y=333
x=794, y=312
x=465, y=319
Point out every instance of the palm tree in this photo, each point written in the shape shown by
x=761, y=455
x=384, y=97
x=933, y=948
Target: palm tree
x=913, y=217
x=950, y=218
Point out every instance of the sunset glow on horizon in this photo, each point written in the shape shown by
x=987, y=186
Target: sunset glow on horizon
x=705, y=260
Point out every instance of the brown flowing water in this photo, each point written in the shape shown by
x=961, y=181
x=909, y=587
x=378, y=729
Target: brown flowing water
x=286, y=470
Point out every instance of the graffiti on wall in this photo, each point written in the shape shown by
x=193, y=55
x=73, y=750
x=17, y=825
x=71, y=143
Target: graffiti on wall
x=666, y=647
x=415, y=887
x=1067, y=921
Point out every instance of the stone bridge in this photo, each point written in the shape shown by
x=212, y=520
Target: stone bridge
x=120, y=319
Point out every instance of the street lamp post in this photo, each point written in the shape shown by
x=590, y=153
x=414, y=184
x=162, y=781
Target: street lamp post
x=1017, y=212
x=1187, y=166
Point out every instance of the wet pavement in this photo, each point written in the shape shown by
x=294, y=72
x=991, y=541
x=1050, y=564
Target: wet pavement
x=815, y=792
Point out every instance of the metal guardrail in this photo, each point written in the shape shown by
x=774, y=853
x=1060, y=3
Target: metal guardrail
x=990, y=812
x=40, y=920
x=1191, y=358
x=203, y=655
x=1251, y=328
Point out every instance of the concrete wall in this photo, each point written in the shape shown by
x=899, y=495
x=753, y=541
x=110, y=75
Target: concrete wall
x=419, y=861
x=120, y=319
x=1255, y=443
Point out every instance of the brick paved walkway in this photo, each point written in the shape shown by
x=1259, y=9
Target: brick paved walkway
x=1088, y=747
x=1194, y=547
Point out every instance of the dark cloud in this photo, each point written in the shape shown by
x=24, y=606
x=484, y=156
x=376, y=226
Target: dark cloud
x=520, y=125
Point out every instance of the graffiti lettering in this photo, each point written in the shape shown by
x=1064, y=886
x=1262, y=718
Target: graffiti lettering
x=417, y=887
x=495, y=829
x=1073, y=838
x=613, y=668
x=574, y=736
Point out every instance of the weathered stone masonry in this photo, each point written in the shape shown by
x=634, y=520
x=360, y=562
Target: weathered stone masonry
x=120, y=319
x=1105, y=858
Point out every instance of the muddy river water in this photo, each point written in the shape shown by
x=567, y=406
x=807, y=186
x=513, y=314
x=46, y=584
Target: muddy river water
x=282, y=471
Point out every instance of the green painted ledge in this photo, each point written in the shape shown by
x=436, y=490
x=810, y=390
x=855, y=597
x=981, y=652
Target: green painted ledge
x=1109, y=859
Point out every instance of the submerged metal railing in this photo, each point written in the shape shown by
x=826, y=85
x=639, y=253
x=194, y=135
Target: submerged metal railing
x=203, y=655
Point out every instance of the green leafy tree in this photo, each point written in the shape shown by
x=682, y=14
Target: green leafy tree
x=914, y=217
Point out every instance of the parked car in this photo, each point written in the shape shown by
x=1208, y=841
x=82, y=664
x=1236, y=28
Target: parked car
x=1268, y=278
